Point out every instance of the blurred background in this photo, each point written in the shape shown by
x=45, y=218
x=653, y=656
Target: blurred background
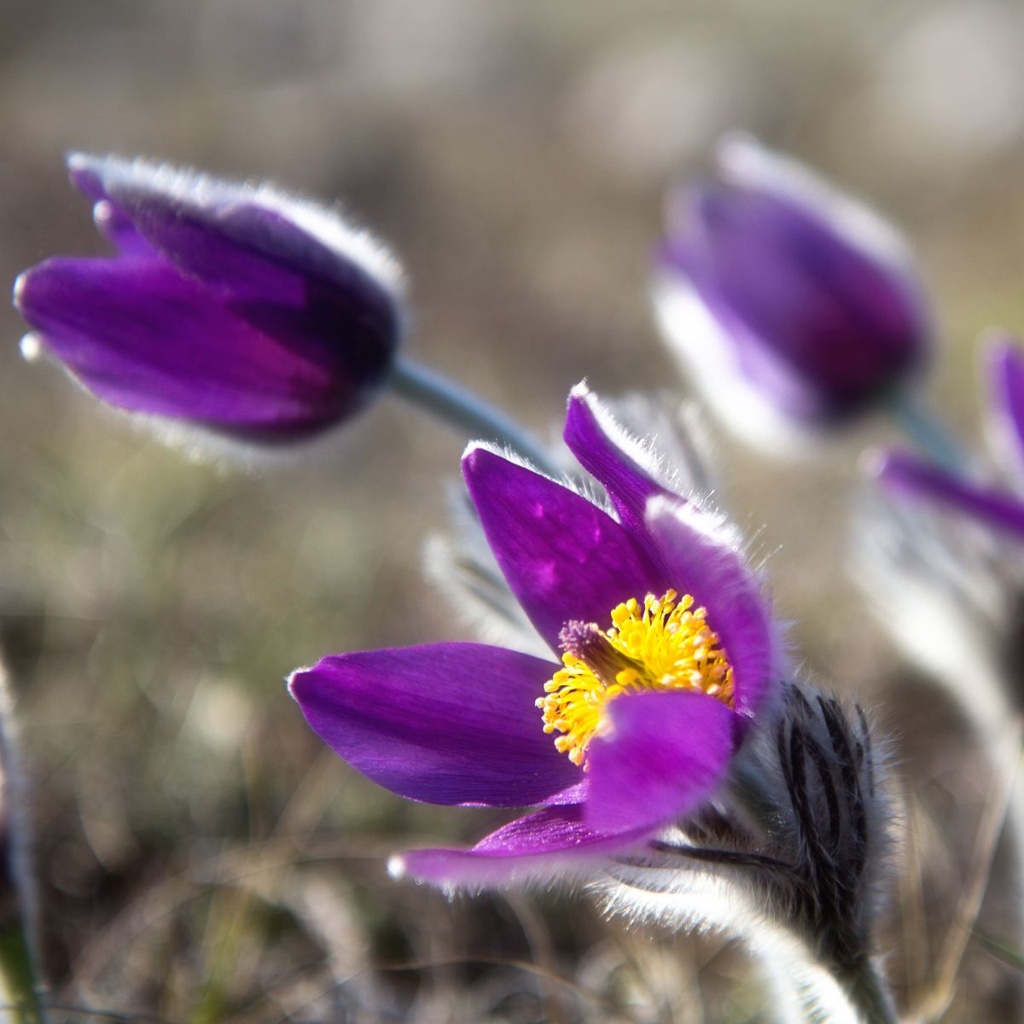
x=200, y=856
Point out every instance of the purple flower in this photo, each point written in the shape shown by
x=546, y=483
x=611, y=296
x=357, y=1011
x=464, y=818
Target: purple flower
x=998, y=507
x=667, y=653
x=789, y=302
x=228, y=306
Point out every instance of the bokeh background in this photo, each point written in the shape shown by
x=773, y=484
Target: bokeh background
x=200, y=857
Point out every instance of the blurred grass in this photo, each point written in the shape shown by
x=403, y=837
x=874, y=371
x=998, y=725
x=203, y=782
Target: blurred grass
x=201, y=857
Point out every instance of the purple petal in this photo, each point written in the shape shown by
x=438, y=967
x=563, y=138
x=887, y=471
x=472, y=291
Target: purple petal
x=539, y=847
x=86, y=175
x=563, y=557
x=605, y=451
x=255, y=243
x=116, y=226
x=113, y=222
x=271, y=273
x=141, y=336
x=743, y=161
x=743, y=378
x=253, y=253
x=446, y=723
x=1006, y=387
x=705, y=559
x=665, y=753
x=904, y=474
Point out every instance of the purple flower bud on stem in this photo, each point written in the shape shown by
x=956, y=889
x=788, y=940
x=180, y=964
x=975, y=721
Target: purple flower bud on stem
x=234, y=308
x=227, y=306
x=788, y=300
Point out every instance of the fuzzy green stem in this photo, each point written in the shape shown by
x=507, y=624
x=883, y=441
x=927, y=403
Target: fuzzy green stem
x=929, y=435
x=20, y=996
x=466, y=412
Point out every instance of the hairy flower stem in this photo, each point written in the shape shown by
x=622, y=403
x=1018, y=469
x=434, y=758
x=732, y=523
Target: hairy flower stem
x=466, y=411
x=20, y=999
x=929, y=435
x=869, y=994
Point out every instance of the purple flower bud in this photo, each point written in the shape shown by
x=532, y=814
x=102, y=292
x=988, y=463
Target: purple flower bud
x=806, y=818
x=227, y=306
x=786, y=297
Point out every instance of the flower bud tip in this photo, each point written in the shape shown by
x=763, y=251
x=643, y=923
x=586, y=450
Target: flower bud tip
x=31, y=347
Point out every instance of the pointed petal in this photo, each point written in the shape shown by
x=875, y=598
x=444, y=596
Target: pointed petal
x=116, y=226
x=563, y=557
x=664, y=754
x=704, y=558
x=907, y=475
x=113, y=222
x=626, y=470
x=84, y=173
x=541, y=847
x=446, y=723
x=141, y=336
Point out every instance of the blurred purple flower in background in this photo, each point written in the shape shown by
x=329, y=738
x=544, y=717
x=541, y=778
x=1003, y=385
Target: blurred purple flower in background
x=668, y=652
x=228, y=306
x=790, y=303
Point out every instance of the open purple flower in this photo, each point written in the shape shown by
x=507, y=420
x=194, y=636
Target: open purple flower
x=1000, y=508
x=667, y=652
x=228, y=306
x=788, y=301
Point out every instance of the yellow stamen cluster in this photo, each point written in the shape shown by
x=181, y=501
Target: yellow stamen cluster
x=664, y=645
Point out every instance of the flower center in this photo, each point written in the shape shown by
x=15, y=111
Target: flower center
x=666, y=644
